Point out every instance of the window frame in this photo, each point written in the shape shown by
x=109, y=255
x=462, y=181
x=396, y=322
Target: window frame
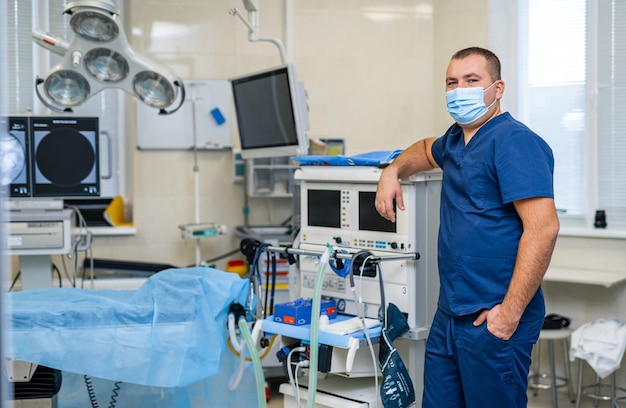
x=505, y=36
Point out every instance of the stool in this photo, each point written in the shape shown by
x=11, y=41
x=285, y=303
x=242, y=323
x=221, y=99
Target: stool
x=553, y=382
x=594, y=390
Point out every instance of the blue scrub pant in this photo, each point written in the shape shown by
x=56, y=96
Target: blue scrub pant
x=468, y=367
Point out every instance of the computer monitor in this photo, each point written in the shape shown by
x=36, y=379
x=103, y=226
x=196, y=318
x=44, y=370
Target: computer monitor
x=65, y=156
x=14, y=157
x=271, y=111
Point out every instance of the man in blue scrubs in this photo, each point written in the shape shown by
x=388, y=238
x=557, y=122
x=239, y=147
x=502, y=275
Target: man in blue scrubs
x=497, y=234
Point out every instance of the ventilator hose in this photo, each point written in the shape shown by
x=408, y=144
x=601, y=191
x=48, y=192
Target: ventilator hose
x=315, y=314
x=232, y=335
x=239, y=350
x=258, y=369
x=235, y=380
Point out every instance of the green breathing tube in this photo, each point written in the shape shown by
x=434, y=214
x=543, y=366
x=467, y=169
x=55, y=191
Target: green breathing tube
x=256, y=360
x=315, y=313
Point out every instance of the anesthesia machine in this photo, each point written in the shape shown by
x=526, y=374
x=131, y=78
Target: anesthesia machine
x=371, y=265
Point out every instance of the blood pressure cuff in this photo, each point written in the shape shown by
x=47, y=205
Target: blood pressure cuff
x=171, y=332
x=396, y=390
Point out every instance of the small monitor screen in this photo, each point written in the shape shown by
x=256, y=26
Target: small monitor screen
x=265, y=109
x=65, y=157
x=14, y=157
x=324, y=208
x=369, y=219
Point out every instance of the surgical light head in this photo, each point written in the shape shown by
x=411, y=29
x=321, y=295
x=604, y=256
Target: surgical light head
x=99, y=56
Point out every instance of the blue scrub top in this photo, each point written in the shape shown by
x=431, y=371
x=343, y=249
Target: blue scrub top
x=480, y=229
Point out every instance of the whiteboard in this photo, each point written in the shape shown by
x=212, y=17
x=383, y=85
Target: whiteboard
x=210, y=101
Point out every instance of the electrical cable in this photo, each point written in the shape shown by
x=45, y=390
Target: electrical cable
x=54, y=268
x=91, y=393
x=267, y=287
x=17, y=276
x=271, y=309
x=256, y=275
x=304, y=363
x=293, y=382
x=220, y=257
x=91, y=269
x=358, y=301
x=79, y=244
x=114, y=394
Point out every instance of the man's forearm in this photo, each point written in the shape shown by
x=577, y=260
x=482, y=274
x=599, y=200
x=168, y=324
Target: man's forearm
x=533, y=258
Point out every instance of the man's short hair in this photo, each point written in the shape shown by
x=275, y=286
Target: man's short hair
x=493, y=63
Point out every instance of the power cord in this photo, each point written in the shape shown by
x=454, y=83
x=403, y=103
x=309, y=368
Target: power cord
x=92, y=394
x=293, y=382
x=360, y=309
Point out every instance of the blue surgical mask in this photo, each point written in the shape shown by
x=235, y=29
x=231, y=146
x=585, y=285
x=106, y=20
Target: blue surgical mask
x=466, y=105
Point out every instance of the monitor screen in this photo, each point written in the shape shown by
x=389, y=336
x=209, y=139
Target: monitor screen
x=14, y=157
x=271, y=113
x=65, y=157
x=369, y=219
x=324, y=208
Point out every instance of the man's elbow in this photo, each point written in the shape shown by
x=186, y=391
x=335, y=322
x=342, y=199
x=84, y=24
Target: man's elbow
x=551, y=228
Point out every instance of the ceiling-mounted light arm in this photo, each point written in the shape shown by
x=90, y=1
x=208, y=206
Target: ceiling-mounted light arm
x=253, y=27
x=51, y=42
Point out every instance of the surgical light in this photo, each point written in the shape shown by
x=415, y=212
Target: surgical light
x=153, y=89
x=106, y=65
x=99, y=56
x=95, y=25
x=67, y=88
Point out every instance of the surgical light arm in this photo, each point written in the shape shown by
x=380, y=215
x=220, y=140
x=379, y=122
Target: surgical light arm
x=50, y=41
x=253, y=27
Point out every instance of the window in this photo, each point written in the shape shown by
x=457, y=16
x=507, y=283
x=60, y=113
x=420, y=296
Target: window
x=570, y=56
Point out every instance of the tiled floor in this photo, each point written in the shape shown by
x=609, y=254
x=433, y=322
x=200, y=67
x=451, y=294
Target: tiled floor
x=542, y=400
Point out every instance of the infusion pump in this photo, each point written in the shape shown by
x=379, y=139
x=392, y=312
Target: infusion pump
x=337, y=208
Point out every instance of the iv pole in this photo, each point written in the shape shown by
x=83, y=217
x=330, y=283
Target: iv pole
x=196, y=169
x=198, y=230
